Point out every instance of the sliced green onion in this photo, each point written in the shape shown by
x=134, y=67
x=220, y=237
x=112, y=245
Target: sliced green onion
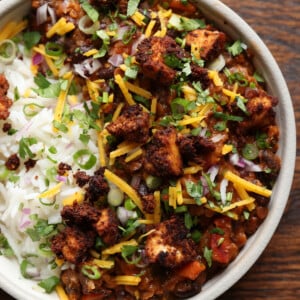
x=4, y=172
x=32, y=109
x=80, y=159
x=91, y=272
x=8, y=51
x=153, y=182
x=86, y=25
x=25, y=264
x=54, y=49
x=250, y=151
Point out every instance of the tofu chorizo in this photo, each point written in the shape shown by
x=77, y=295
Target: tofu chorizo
x=162, y=156
x=209, y=43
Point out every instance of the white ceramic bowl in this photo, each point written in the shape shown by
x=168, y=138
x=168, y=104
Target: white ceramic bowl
x=11, y=280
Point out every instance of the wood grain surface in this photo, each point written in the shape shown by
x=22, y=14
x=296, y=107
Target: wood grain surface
x=276, y=275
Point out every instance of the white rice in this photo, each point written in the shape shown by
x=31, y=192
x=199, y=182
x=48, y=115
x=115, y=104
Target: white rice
x=19, y=200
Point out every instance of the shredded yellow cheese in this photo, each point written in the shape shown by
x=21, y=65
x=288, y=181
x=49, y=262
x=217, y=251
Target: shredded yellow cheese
x=52, y=192
x=173, y=196
x=153, y=108
x=90, y=52
x=226, y=149
x=214, y=75
x=61, y=293
x=77, y=196
x=138, y=90
x=232, y=94
x=11, y=29
x=189, y=93
x=61, y=27
x=123, y=150
x=191, y=120
x=127, y=280
x=138, y=18
x=149, y=28
x=179, y=193
x=93, y=89
x=244, y=195
x=117, y=248
x=61, y=102
x=59, y=261
x=237, y=204
x=247, y=185
x=135, y=154
x=125, y=187
x=149, y=221
x=52, y=66
x=163, y=28
x=102, y=153
x=192, y=170
x=104, y=264
x=120, y=82
x=117, y=112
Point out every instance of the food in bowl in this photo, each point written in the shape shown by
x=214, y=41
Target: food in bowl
x=138, y=148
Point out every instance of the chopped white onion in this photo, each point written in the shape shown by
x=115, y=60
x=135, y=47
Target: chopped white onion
x=88, y=66
x=217, y=138
x=223, y=188
x=218, y=64
x=52, y=14
x=41, y=14
x=116, y=60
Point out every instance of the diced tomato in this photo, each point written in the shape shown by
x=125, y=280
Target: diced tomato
x=191, y=270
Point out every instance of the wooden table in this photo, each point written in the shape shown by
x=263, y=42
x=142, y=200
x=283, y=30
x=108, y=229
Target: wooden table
x=276, y=275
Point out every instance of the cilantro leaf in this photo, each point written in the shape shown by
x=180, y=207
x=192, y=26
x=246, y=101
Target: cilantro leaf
x=195, y=190
x=49, y=284
x=31, y=38
x=208, y=256
x=132, y=7
x=236, y=48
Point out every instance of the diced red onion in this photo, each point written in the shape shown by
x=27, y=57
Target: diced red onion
x=251, y=166
x=41, y=14
x=213, y=172
x=26, y=211
x=116, y=60
x=25, y=220
x=223, y=188
x=88, y=66
x=241, y=162
x=203, y=132
x=61, y=178
x=37, y=59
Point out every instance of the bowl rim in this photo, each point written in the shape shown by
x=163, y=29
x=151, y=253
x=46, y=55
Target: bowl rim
x=227, y=20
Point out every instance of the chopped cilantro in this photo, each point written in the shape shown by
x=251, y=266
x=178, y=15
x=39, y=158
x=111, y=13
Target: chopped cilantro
x=188, y=221
x=132, y=7
x=128, y=251
x=24, y=147
x=258, y=77
x=236, y=48
x=49, y=284
x=195, y=190
x=31, y=38
x=208, y=256
x=172, y=61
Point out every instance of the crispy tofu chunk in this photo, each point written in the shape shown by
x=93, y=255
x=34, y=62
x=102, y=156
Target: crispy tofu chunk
x=133, y=125
x=73, y=244
x=168, y=245
x=107, y=226
x=5, y=102
x=70, y=281
x=162, y=156
x=151, y=53
x=210, y=43
x=260, y=109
